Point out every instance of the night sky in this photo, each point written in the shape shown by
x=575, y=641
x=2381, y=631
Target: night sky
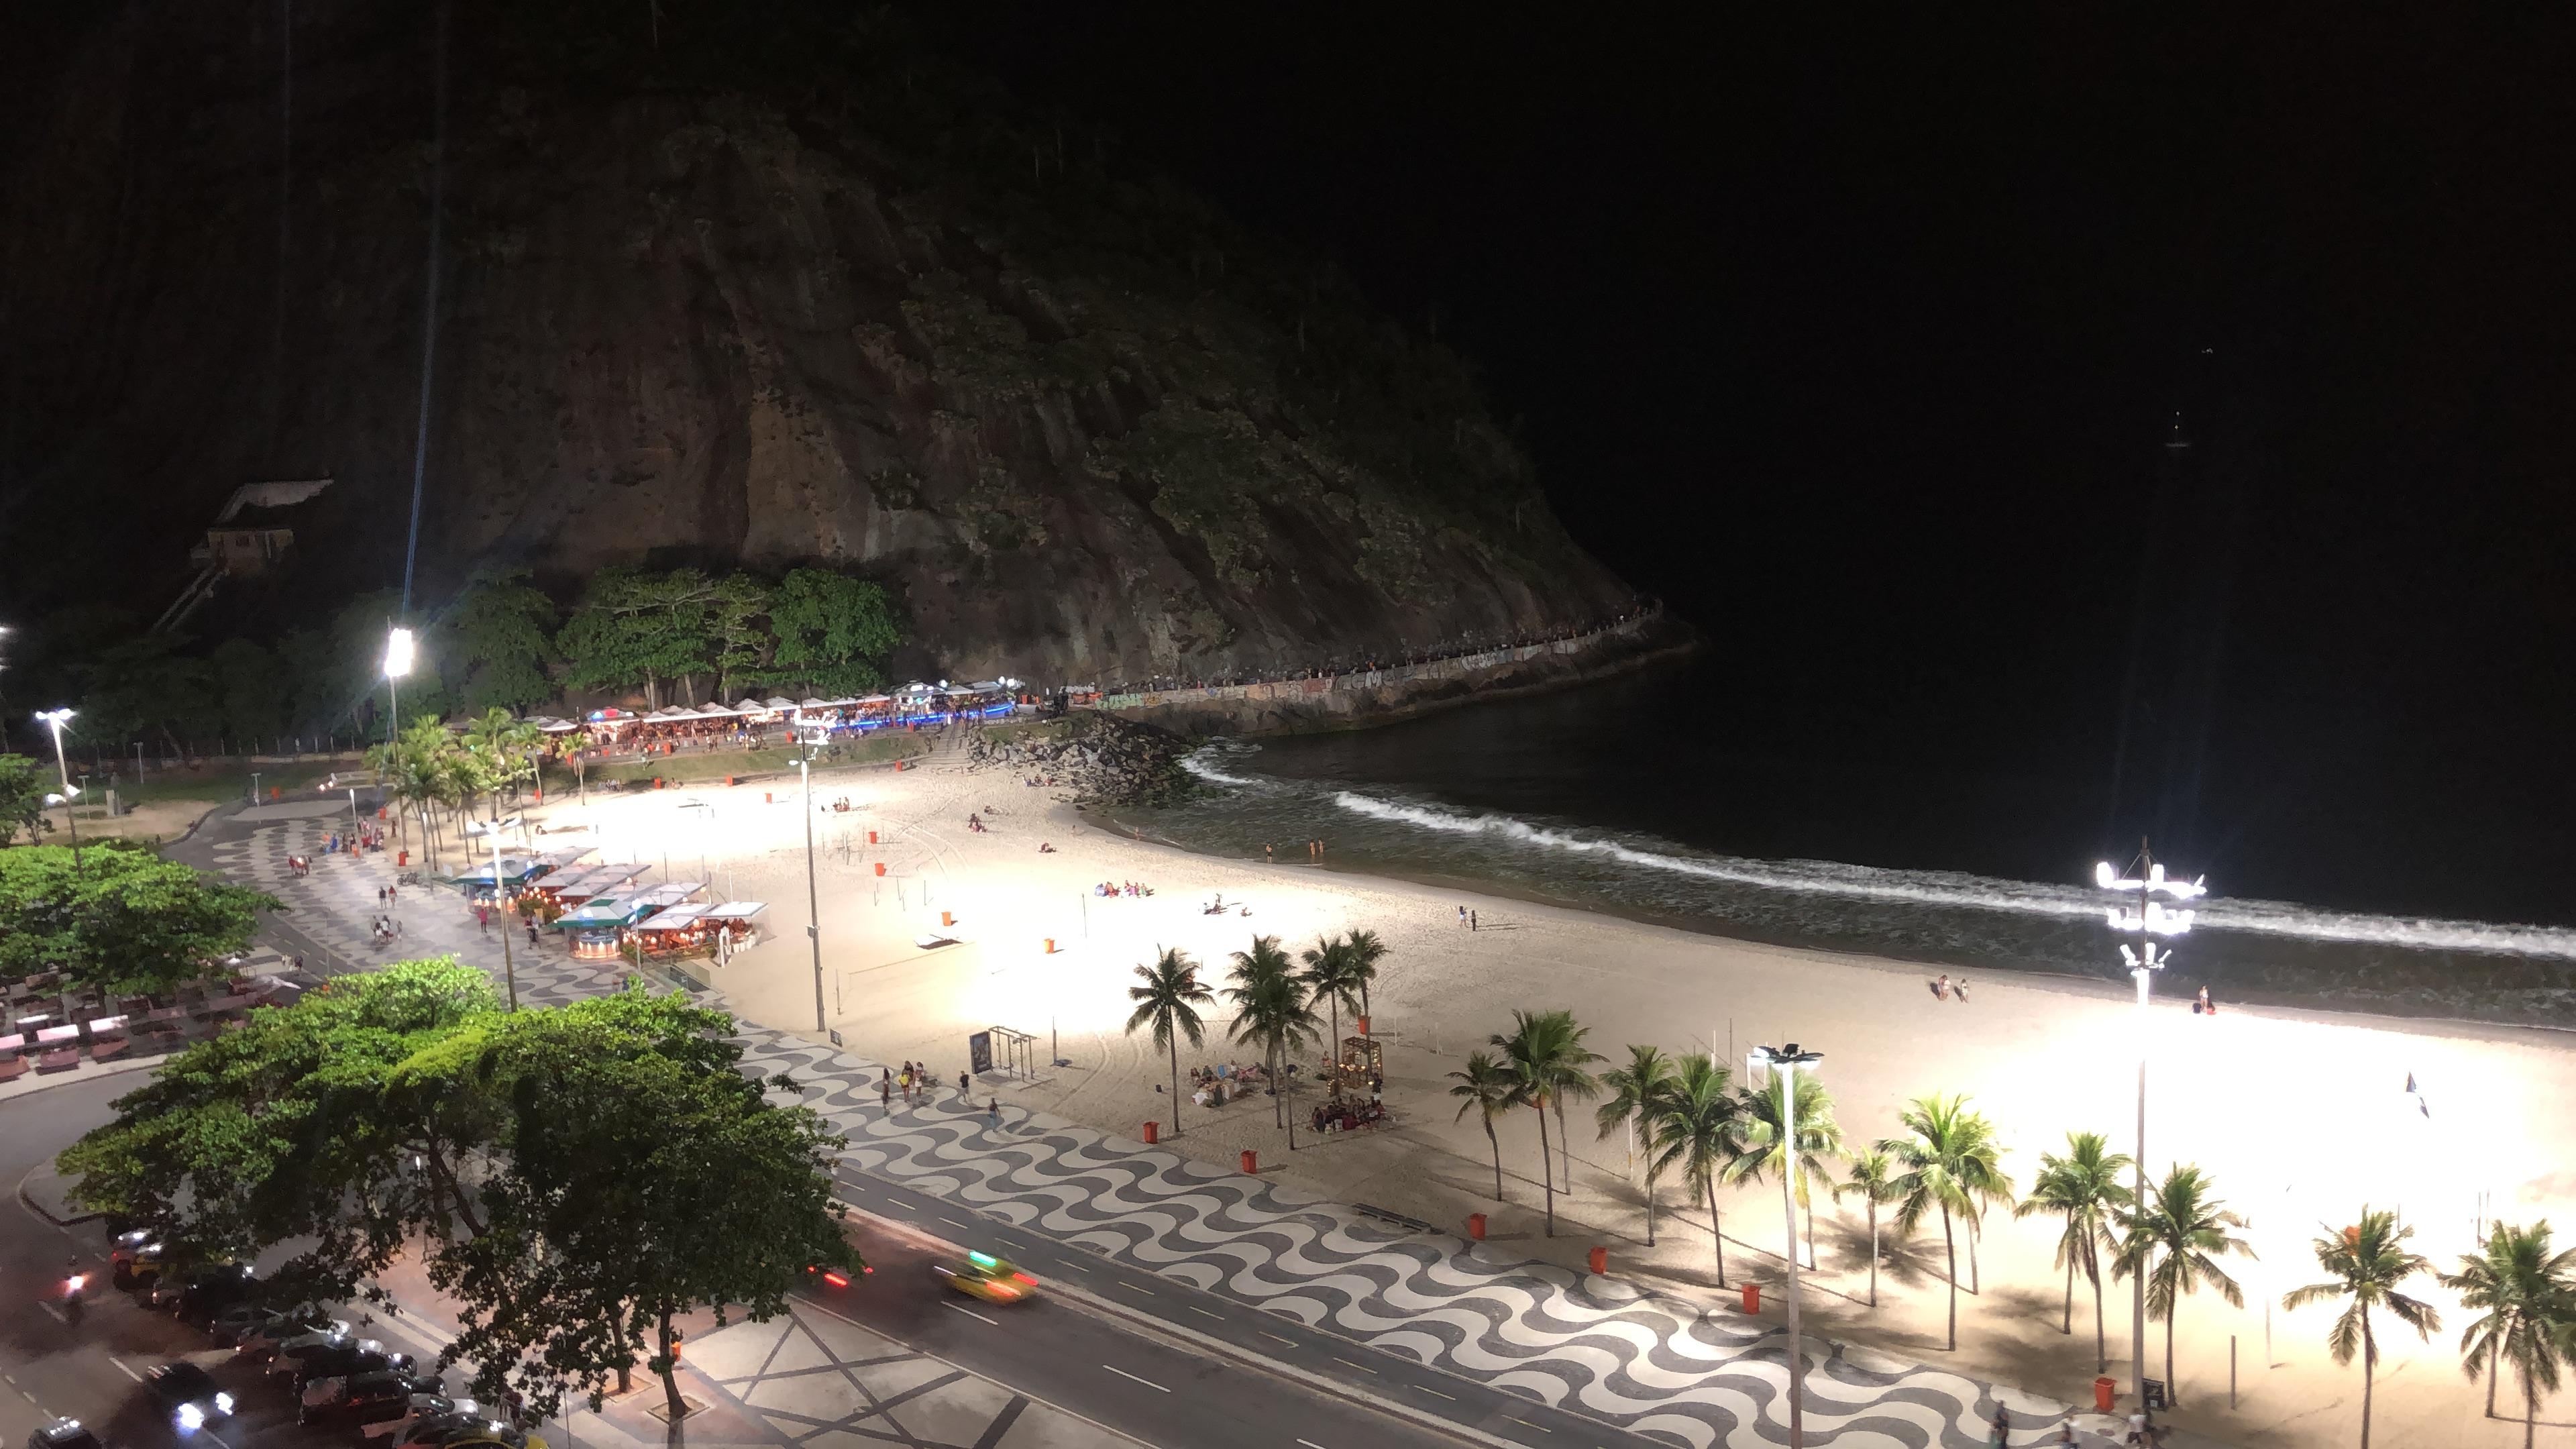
x=1862, y=344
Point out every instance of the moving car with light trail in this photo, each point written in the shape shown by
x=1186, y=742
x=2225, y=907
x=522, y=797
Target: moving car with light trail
x=188, y=1395
x=63, y=1434
x=984, y=1276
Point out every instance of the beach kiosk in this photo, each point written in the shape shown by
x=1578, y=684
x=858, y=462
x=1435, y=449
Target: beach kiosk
x=598, y=928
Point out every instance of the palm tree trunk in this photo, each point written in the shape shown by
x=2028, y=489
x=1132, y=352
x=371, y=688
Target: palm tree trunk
x=2173, y=1391
x=2068, y=1327
x=2369, y=1362
x=1546, y=1174
x=1809, y=1208
x=2530, y=1409
x=2495, y=1367
x=1950, y=1248
x=1650, y=1206
x=1497, y=1144
x=1176, y=1085
x=1270, y=1061
x=1717, y=1231
x=1975, y=1285
x=1873, y=1252
x=2101, y=1343
x=1564, y=1145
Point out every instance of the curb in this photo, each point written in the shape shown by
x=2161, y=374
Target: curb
x=1214, y=1347
x=28, y=1201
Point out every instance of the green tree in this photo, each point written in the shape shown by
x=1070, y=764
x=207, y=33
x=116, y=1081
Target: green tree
x=1873, y=1179
x=1331, y=978
x=503, y=627
x=1953, y=1165
x=250, y=691
x=24, y=782
x=1366, y=951
x=834, y=632
x=119, y=917
x=289, y=1130
x=1760, y=1151
x=2176, y=1238
x=742, y=642
x=2083, y=1188
x=1696, y=1129
x=1169, y=1002
x=639, y=1186
x=147, y=686
x=1489, y=1088
x=1272, y=1009
x=1545, y=1050
x=505, y=750
x=635, y=627
x=2526, y=1293
x=2365, y=1264
x=1636, y=1091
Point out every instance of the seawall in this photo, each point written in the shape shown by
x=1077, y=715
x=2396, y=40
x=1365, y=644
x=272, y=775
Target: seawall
x=1375, y=696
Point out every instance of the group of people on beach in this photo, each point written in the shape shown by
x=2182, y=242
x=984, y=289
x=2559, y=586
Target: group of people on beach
x=1122, y=888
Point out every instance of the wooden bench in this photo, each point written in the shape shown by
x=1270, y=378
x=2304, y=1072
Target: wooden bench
x=1390, y=1215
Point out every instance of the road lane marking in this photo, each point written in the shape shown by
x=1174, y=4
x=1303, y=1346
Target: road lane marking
x=1149, y=1383
x=1363, y=1368
x=129, y=1373
x=1203, y=1313
x=1310, y=1444
x=1148, y=1292
x=952, y=1222
x=1435, y=1393
x=1275, y=1338
x=971, y=1313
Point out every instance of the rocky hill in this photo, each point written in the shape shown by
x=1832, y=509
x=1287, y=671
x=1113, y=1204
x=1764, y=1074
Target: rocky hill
x=764, y=284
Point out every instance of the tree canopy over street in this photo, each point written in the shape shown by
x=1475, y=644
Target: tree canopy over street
x=116, y=915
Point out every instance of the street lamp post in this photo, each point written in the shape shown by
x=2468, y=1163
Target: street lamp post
x=2150, y=919
x=509, y=970
x=1786, y=1061
x=813, y=901
x=71, y=818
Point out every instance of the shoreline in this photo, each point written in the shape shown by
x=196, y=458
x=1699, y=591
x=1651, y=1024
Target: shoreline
x=2042, y=976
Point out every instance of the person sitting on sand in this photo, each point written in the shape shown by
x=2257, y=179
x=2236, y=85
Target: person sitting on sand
x=1959, y=989
x=1941, y=988
x=1045, y=849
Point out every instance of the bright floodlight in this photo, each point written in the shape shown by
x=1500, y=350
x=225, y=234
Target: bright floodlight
x=2155, y=883
x=55, y=717
x=2154, y=920
x=2153, y=958
x=398, y=654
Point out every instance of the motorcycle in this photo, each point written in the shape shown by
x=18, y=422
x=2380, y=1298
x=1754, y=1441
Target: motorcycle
x=72, y=1296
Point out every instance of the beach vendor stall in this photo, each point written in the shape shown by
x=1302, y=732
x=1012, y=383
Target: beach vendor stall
x=516, y=871
x=571, y=888
x=598, y=928
x=687, y=929
x=731, y=927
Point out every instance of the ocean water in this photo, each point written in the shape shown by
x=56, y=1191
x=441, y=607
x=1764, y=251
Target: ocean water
x=1611, y=799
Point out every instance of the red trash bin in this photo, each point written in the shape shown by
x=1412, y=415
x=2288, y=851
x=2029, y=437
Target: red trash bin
x=880, y=867
x=1153, y=1133
x=1476, y=1226
x=1600, y=1259
x=1249, y=1158
x=1752, y=1297
x=2103, y=1388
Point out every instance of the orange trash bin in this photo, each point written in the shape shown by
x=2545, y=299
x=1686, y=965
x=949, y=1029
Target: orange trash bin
x=1752, y=1297
x=1476, y=1226
x=2103, y=1388
x=881, y=867
x=1249, y=1159
x=1600, y=1259
x=1153, y=1133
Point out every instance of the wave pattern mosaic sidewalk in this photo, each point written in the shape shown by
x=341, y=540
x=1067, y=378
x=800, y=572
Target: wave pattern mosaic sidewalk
x=1649, y=1363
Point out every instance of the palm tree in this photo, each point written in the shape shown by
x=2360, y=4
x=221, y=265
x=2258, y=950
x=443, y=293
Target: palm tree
x=2083, y=1187
x=1695, y=1126
x=1493, y=1089
x=1636, y=1091
x=1546, y=1051
x=1873, y=1177
x=1328, y=975
x=1366, y=951
x=1760, y=1150
x=2366, y=1263
x=1169, y=1002
x=1272, y=1008
x=1567, y=1079
x=2176, y=1237
x=1951, y=1163
x=2527, y=1292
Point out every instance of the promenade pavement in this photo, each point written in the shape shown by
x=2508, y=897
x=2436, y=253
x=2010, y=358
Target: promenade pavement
x=1440, y=1308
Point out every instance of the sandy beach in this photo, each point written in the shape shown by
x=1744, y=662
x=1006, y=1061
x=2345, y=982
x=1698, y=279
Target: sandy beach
x=2301, y=1118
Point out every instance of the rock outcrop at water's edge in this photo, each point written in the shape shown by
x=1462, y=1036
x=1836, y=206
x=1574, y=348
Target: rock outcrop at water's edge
x=723, y=294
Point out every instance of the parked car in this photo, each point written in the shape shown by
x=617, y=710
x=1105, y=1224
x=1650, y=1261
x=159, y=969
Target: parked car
x=266, y=1337
x=338, y=1357
x=426, y=1408
x=209, y=1291
x=188, y=1395
x=135, y=1258
x=363, y=1398
x=468, y=1432
x=63, y=1434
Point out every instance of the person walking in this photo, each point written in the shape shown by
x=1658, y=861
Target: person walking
x=885, y=1092
x=965, y=1087
x=993, y=1113
x=2000, y=1433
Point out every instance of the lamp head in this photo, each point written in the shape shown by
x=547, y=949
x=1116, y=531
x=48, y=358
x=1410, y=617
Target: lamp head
x=55, y=717
x=398, y=653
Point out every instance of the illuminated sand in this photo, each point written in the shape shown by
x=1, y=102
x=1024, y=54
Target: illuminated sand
x=2299, y=1119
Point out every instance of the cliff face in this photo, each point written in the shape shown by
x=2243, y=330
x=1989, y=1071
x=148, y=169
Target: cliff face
x=803, y=295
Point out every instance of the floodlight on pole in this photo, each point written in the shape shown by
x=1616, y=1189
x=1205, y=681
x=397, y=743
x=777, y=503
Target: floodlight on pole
x=398, y=662
x=2148, y=919
x=1786, y=1061
x=813, y=902
x=58, y=718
